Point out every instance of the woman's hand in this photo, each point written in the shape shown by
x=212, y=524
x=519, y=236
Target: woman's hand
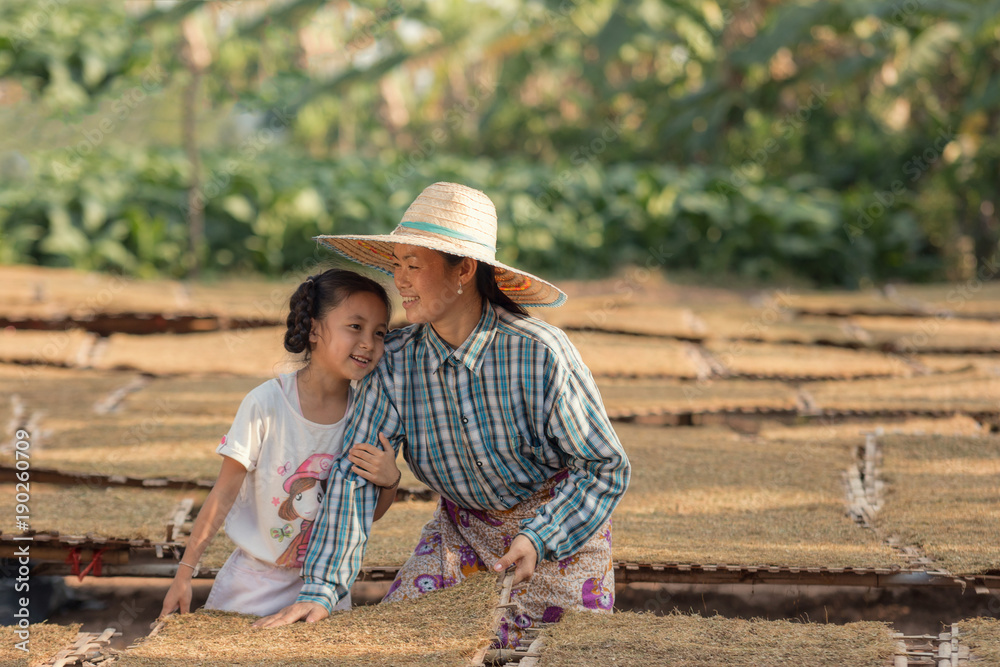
x=376, y=465
x=310, y=612
x=178, y=597
x=522, y=554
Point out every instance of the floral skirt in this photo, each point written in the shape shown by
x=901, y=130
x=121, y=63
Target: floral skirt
x=458, y=542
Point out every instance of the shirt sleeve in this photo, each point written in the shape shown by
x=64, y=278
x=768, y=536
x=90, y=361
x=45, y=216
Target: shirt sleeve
x=242, y=442
x=345, y=518
x=575, y=422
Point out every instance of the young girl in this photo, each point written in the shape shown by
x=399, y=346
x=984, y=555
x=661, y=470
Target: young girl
x=287, y=435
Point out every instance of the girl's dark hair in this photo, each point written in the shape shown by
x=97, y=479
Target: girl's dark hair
x=486, y=283
x=317, y=296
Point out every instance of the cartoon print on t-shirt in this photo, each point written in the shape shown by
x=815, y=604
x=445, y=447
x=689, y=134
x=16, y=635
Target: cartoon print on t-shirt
x=305, y=488
x=281, y=533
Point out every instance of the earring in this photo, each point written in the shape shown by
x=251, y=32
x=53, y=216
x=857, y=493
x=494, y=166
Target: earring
x=460, y=288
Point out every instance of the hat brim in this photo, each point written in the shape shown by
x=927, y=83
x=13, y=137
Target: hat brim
x=375, y=251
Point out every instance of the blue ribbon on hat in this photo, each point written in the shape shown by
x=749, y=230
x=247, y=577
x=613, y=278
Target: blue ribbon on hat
x=445, y=231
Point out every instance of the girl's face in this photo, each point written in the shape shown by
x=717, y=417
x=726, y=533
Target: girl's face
x=350, y=339
x=429, y=286
x=306, y=503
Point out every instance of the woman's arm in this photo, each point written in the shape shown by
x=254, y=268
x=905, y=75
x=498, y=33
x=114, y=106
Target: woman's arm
x=338, y=541
x=220, y=500
x=576, y=423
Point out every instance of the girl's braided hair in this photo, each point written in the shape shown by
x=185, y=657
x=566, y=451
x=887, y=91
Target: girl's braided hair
x=317, y=296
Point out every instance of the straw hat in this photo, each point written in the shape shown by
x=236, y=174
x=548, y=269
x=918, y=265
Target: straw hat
x=455, y=219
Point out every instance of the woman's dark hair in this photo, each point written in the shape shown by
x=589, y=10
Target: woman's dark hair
x=317, y=296
x=486, y=283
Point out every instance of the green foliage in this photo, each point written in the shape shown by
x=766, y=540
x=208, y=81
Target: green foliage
x=70, y=54
x=843, y=141
x=126, y=212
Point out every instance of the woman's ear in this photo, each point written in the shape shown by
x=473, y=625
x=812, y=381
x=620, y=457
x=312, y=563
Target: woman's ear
x=467, y=271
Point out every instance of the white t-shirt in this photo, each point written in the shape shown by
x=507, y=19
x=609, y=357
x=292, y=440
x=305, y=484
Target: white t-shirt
x=288, y=459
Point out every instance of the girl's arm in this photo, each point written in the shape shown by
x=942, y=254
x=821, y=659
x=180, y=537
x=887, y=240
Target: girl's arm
x=379, y=467
x=220, y=500
x=385, y=499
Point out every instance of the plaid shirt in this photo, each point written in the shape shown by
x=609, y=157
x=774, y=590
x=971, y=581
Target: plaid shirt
x=485, y=425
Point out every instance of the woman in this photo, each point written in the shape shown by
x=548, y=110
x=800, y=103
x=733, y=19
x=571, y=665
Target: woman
x=494, y=410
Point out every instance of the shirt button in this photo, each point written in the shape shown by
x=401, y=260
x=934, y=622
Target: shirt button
x=479, y=463
x=465, y=420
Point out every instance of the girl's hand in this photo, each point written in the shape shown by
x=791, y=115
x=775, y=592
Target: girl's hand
x=376, y=465
x=178, y=597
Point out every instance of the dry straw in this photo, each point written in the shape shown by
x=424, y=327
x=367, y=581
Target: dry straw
x=60, y=392
x=633, y=356
x=250, y=352
x=668, y=396
x=218, y=397
x=942, y=496
x=48, y=293
x=773, y=324
x=954, y=425
x=62, y=348
x=799, y=361
x=941, y=333
x=982, y=636
x=117, y=512
x=845, y=303
x=642, y=639
x=626, y=317
x=45, y=640
x=396, y=534
x=708, y=496
x=971, y=391
x=951, y=363
x=167, y=445
x=441, y=628
x=983, y=301
x=217, y=552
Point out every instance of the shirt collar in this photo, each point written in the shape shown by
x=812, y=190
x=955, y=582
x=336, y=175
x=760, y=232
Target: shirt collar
x=470, y=353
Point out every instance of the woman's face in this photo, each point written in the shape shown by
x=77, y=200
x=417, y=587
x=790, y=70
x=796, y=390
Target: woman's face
x=429, y=286
x=306, y=503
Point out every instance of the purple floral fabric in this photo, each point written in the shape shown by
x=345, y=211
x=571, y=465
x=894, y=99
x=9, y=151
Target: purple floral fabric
x=458, y=542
